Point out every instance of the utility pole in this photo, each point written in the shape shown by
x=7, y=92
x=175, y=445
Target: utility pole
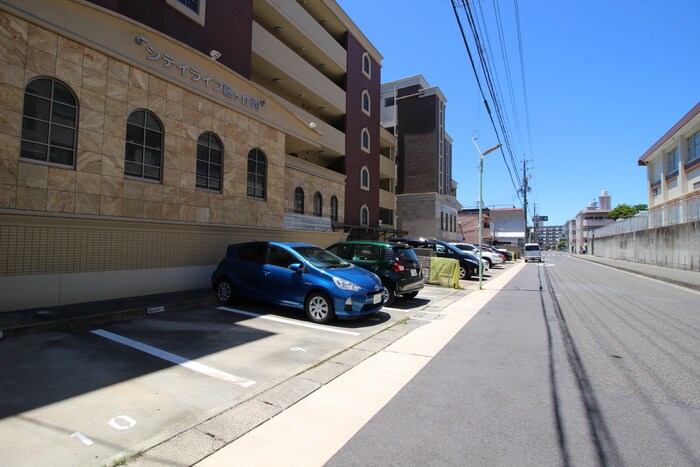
x=535, y=223
x=525, y=190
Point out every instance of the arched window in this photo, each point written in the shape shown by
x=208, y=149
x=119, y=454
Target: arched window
x=144, y=146
x=364, y=215
x=49, y=122
x=366, y=65
x=318, y=204
x=210, y=155
x=364, y=140
x=257, y=174
x=299, y=200
x=334, y=209
x=366, y=103
x=364, y=178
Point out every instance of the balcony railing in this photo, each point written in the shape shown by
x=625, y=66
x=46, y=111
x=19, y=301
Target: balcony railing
x=296, y=221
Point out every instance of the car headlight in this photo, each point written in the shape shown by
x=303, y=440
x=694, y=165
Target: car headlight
x=346, y=284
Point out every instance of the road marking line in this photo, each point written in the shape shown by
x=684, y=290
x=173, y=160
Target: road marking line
x=86, y=441
x=289, y=321
x=189, y=364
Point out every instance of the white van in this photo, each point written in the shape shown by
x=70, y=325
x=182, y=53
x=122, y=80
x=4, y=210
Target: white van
x=532, y=252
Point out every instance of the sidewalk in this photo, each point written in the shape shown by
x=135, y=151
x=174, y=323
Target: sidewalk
x=689, y=279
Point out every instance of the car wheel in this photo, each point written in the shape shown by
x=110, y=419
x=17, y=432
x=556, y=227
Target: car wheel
x=410, y=295
x=319, y=308
x=388, y=295
x=224, y=291
x=463, y=273
x=489, y=262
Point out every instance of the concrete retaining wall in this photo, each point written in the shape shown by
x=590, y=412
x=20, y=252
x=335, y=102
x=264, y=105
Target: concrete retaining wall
x=675, y=246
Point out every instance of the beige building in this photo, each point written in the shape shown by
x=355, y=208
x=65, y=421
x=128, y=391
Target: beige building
x=673, y=172
x=129, y=159
x=582, y=229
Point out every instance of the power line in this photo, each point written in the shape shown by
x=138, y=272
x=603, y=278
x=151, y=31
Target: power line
x=489, y=83
x=522, y=75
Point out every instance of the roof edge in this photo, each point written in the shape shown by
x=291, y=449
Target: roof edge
x=689, y=116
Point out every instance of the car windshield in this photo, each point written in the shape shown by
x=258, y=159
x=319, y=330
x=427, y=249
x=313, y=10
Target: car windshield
x=454, y=248
x=321, y=258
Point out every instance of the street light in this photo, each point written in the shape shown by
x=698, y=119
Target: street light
x=481, y=218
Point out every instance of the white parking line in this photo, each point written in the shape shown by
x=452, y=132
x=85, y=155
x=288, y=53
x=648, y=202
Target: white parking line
x=189, y=364
x=289, y=321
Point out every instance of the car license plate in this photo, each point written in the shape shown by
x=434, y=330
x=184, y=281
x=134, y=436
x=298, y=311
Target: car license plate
x=414, y=272
x=377, y=299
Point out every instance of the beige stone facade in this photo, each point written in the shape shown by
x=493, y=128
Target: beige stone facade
x=108, y=90
x=309, y=178
x=91, y=232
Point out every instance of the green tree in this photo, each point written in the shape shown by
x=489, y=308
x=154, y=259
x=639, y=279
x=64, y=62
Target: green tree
x=624, y=210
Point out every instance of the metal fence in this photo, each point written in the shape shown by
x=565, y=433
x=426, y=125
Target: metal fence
x=680, y=212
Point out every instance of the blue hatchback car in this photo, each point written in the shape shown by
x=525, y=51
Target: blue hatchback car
x=297, y=275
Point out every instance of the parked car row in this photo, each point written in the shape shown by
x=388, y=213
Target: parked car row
x=468, y=263
x=347, y=280
x=489, y=256
x=298, y=275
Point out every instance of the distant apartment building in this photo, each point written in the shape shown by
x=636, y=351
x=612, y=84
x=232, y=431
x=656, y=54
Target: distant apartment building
x=140, y=138
x=548, y=236
x=582, y=227
x=673, y=173
x=426, y=200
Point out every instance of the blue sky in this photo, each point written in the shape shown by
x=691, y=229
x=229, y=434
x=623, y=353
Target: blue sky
x=604, y=80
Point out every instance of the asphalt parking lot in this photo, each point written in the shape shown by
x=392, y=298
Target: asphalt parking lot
x=93, y=396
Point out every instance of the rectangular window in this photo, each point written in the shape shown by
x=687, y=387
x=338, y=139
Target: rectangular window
x=672, y=161
x=388, y=102
x=694, y=147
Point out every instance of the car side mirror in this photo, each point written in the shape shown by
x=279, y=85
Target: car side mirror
x=297, y=267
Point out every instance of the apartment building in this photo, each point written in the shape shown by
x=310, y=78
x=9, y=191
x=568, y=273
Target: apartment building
x=426, y=200
x=138, y=139
x=582, y=227
x=673, y=172
x=548, y=236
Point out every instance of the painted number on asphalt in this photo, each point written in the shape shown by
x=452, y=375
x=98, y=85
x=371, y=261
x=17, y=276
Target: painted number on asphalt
x=116, y=422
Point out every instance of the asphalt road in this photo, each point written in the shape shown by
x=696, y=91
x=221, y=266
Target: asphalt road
x=571, y=364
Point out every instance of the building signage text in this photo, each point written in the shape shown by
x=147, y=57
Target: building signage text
x=194, y=74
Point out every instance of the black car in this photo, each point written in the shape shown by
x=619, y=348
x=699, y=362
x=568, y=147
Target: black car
x=468, y=263
x=396, y=264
